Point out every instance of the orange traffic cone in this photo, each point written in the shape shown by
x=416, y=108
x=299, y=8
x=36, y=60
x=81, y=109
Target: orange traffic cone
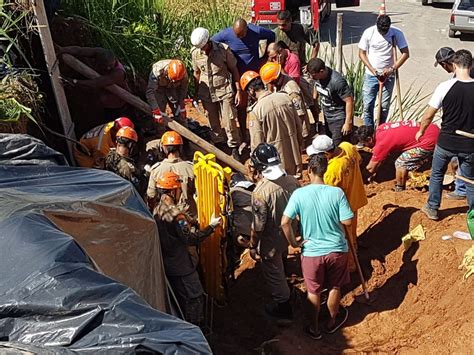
x=382, y=8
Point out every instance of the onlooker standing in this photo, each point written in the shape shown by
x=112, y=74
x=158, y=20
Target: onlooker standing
x=273, y=120
x=456, y=98
x=443, y=58
x=337, y=100
x=323, y=212
x=343, y=171
x=289, y=61
x=269, y=199
x=215, y=69
x=376, y=50
x=244, y=41
x=168, y=85
x=398, y=137
x=295, y=36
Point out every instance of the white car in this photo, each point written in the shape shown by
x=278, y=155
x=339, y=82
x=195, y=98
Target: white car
x=462, y=17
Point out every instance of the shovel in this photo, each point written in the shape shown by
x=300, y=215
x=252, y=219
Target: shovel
x=378, y=115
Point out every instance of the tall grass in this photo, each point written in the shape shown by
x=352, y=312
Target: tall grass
x=141, y=32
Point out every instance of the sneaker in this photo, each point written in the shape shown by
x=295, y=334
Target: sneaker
x=279, y=310
x=341, y=318
x=399, y=188
x=431, y=213
x=312, y=334
x=454, y=196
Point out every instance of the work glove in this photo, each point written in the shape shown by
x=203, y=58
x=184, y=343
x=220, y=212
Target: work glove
x=157, y=116
x=215, y=221
x=253, y=252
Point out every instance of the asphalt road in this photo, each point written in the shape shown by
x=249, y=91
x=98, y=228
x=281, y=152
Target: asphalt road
x=425, y=28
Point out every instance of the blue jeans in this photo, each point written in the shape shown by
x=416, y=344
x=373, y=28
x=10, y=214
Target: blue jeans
x=441, y=159
x=369, y=97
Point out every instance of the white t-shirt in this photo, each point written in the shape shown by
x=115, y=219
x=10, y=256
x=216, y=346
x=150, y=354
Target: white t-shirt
x=441, y=90
x=379, y=48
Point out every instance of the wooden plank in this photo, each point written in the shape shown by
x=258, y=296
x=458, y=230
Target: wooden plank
x=53, y=71
x=88, y=72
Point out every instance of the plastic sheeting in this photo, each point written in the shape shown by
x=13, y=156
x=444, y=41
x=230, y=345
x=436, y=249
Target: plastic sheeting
x=70, y=240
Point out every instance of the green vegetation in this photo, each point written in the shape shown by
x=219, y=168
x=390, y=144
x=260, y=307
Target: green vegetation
x=140, y=32
x=20, y=98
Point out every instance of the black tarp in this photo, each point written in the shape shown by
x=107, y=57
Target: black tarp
x=78, y=248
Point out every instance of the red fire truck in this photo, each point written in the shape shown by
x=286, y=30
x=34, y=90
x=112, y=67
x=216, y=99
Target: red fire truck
x=307, y=12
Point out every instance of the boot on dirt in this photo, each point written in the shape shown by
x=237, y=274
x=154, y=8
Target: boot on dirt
x=431, y=213
x=279, y=310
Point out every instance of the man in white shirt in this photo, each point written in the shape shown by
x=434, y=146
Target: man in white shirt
x=377, y=54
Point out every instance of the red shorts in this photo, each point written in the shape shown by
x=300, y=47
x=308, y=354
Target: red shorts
x=327, y=271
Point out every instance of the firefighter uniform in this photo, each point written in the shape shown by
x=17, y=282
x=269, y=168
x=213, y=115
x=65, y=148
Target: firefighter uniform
x=290, y=87
x=269, y=200
x=162, y=91
x=273, y=119
x=178, y=232
x=185, y=171
x=98, y=141
x=216, y=92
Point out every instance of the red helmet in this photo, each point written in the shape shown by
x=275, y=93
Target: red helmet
x=123, y=122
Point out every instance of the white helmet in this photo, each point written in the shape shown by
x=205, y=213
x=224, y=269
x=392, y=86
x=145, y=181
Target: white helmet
x=199, y=37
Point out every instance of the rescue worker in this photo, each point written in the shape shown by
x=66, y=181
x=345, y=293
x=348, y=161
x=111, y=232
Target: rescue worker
x=215, y=71
x=273, y=120
x=168, y=84
x=171, y=144
x=269, y=199
x=111, y=72
x=271, y=73
x=98, y=142
x=118, y=159
x=177, y=232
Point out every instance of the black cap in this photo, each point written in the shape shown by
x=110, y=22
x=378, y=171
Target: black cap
x=443, y=54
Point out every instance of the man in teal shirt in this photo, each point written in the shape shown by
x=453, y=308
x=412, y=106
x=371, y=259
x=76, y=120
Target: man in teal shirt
x=324, y=215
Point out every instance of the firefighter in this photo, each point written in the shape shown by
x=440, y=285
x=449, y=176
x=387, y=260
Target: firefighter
x=215, y=71
x=98, y=142
x=168, y=84
x=269, y=199
x=271, y=73
x=118, y=159
x=178, y=231
x=171, y=144
x=273, y=119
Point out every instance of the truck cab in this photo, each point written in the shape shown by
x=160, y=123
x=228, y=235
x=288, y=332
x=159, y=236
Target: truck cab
x=307, y=12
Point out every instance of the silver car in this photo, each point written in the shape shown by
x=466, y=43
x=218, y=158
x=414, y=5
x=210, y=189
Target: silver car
x=462, y=17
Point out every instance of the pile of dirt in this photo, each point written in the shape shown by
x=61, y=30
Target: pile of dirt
x=420, y=301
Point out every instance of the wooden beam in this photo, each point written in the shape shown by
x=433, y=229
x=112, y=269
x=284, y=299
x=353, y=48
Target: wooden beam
x=53, y=71
x=339, y=42
x=135, y=101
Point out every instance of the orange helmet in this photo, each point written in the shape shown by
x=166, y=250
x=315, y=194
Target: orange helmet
x=171, y=138
x=176, y=70
x=127, y=132
x=247, y=77
x=270, y=71
x=169, y=181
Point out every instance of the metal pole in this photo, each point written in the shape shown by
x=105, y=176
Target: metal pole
x=339, y=43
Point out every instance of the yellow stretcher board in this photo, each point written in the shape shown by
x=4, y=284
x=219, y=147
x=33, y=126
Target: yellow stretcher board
x=211, y=198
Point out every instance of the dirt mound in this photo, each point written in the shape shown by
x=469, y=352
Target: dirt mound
x=420, y=302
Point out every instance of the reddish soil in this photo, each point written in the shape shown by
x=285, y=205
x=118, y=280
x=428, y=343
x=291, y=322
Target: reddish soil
x=420, y=302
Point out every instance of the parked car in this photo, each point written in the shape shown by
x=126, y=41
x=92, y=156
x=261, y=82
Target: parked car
x=429, y=2
x=462, y=17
